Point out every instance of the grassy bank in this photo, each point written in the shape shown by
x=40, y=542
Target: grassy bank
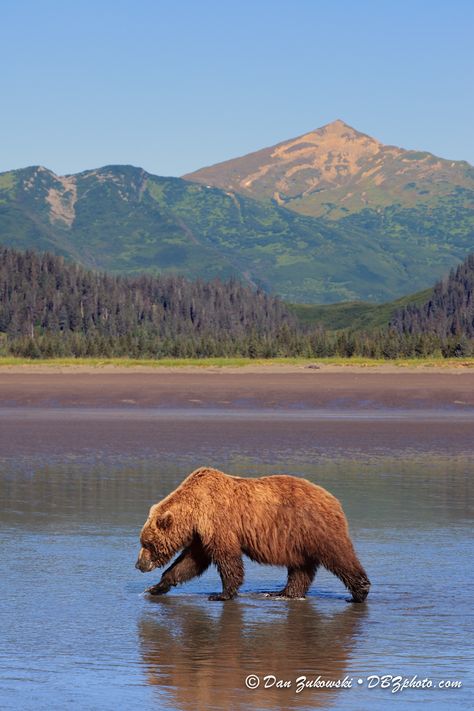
x=236, y=362
x=355, y=315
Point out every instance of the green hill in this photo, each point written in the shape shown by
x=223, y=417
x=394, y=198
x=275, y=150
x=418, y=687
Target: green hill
x=355, y=315
x=124, y=220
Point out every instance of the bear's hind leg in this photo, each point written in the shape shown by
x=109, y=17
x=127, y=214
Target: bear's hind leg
x=299, y=580
x=192, y=562
x=231, y=570
x=349, y=570
x=358, y=583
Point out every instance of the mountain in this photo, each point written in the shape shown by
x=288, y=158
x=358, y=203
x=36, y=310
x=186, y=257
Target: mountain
x=125, y=220
x=122, y=219
x=335, y=171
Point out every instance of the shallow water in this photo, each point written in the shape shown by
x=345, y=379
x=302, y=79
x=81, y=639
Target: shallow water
x=76, y=630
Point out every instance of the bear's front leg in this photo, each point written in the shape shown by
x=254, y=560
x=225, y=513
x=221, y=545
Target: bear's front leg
x=231, y=570
x=192, y=562
x=160, y=588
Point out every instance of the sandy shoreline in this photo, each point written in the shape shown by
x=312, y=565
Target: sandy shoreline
x=253, y=386
x=260, y=368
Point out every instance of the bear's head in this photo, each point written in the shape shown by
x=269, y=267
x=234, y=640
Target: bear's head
x=161, y=537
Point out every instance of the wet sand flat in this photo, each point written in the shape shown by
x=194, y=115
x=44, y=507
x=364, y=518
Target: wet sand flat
x=269, y=387
x=211, y=440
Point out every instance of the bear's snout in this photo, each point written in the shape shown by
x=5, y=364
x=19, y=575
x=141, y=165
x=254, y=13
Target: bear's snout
x=144, y=562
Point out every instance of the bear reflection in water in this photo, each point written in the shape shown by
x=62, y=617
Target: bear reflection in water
x=202, y=656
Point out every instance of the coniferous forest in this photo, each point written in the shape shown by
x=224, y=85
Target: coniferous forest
x=449, y=312
x=52, y=308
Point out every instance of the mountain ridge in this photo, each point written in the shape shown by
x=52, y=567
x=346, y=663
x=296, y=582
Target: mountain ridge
x=125, y=220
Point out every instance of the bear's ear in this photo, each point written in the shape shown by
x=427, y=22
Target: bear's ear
x=165, y=520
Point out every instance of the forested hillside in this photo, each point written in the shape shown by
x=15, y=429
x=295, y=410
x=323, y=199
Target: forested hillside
x=449, y=311
x=48, y=306
x=51, y=308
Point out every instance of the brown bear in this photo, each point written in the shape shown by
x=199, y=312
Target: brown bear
x=278, y=520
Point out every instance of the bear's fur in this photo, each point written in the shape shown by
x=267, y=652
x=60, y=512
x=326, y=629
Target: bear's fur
x=278, y=520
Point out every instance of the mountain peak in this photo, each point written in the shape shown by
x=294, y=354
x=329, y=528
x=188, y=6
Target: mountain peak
x=326, y=157
x=335, y=170
x=335, y=135
x=337, y=124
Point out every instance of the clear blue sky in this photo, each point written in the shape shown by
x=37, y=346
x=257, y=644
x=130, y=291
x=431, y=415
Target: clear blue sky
x=175, y=85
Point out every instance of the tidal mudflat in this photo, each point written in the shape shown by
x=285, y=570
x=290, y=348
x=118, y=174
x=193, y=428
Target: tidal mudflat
x=76, y=482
